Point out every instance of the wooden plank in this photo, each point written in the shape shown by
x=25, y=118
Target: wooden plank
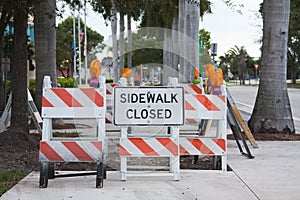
x=244, y=126
x=241, y=121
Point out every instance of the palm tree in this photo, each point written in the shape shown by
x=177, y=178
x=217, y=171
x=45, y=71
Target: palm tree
x=133, y=10
x=129, y=41
x=114, y=24
x=239, y=57
x=45, y=44
x=19, y=112
x=122, y=8
x=189, y=13
x=192, y=24
x=272, y=110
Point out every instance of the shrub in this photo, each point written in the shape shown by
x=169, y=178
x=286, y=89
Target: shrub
x=67, y=82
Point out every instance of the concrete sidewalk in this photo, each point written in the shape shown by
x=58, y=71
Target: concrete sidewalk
x=272, y=174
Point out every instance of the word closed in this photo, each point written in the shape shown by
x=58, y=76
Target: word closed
x=161, y=106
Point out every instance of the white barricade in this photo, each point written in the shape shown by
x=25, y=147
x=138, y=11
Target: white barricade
x=109, y=104
x=162, y=145
x=73, y=103
x=206, y=108
x=191, y=88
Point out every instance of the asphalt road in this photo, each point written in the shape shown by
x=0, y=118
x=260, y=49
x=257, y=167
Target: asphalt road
x=245, y=96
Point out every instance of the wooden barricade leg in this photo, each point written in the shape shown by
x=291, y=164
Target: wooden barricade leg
x=101, y=131
x=101, y=169
x=175, y=159
x=123, y=159
x=221, y=133
x=44, y=165
x=123, y=166
x=100, y=174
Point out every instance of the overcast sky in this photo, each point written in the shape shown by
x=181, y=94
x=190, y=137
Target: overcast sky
x=226, y=26
x=229, y=28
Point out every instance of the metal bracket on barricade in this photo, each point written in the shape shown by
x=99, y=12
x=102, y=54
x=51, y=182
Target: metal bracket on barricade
x=149, y=106
x=72, y=103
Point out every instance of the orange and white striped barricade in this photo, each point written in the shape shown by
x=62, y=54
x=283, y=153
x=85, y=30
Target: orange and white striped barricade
x=109, y=98
x=192, y=88
x=155, y=106
x=206, y=107
x=109, y=106
x=72, y=103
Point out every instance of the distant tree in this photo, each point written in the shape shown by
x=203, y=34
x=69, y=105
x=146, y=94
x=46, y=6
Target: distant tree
x=240, y=57
x=64, y=34
x=272, y=110
x=204, y=57
x=237, y=59
x=146, y=49
x=204, y=36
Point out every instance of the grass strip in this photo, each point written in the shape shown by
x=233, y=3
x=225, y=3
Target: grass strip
x=8, y=179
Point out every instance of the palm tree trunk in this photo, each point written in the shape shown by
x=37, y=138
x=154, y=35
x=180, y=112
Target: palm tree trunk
x=187, y=44
x=166, y=56
x=114, y=24
x=45, y=45
x=129, y=45
x=175, y=46
x=191, y=45
x=122, y=41
x=195, y=18
x=19, y=113
x=170, y=52
x=181, y=24
x=272, y=110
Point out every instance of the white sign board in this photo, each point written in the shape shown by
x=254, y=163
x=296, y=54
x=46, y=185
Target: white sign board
x=156, y=106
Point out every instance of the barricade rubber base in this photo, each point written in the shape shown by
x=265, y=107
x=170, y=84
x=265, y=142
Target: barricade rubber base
x=44, y=174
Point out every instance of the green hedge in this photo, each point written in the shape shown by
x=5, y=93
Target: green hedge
x=31, y=87
x=67, y=82
x=64, y=82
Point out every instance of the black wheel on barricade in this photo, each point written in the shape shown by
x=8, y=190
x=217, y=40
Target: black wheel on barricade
x=51, y=171
x=100, y=175
x=44, y=174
